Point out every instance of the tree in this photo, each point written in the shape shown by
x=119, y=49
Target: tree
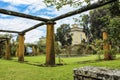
x=114, y=30
x=99, y=18
x=115, y=8
x=63, y=35
x=41, y=44
x=73, y=3
x=60, y=3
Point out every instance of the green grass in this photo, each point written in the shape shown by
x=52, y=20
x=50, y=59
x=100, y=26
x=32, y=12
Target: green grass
x=12, y=70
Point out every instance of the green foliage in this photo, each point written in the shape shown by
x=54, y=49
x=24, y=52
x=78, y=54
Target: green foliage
x=41, y=44
x=63, y=35
x=98, y=47
x=72, y=3
x=57, y=48
x=14, y=46
x=115, y=8
x=60, y=3
x=85, y=49
x=81, y=49
x=99, y=19
x=114, y=30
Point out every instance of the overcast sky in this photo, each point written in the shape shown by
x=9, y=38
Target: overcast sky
x=32, y=7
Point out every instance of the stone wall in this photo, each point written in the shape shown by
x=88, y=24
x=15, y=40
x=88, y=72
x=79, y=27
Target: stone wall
x=96, y=73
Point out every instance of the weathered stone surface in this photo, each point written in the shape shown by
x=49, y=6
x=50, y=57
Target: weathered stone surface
x=96, y=73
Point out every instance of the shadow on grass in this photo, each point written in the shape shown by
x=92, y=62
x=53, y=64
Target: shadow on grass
x=95, y=61
x=43, y=65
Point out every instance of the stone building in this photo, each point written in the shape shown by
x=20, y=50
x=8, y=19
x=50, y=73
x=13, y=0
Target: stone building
x=77, y=34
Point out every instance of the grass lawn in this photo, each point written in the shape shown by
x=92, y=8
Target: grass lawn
x=12, y=70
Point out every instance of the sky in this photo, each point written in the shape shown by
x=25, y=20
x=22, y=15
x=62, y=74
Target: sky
x=32, y=7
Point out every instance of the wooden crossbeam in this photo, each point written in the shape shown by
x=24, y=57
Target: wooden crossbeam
x=83, y=9
x=13, y=13
x=78, y=11
x=35, y=26
x=9, y=31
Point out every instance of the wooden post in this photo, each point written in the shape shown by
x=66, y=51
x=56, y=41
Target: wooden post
x=1, y=50
x=50, y=51
x=17, y=52
x=7, y=53
x=106, y=46
x=37, y=51
x=33, y=51
x=21, y=48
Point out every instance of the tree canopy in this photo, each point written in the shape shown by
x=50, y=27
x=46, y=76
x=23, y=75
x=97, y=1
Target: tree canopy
x=63, y=35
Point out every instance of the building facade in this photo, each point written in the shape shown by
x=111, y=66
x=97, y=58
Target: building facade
x=77, y=34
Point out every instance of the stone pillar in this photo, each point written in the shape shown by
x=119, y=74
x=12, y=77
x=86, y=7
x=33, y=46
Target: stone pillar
x=50, y=51
x=7, y=52
x=33, y=50
x=17, y=52
x=37, y=51
x=106, y=45
x=21, y=48
x=0, y=50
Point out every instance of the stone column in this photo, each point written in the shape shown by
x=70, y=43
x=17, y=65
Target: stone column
x=33, y=50
x=50, y=51
x=37, y=51
x=7, y=52
x=21, y=48
x=106, y=45
x=0, y=50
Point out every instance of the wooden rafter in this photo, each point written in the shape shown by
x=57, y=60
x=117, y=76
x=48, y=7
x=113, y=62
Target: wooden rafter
x=9, y=31
x=78, y=11
x=35, y=26
x=13, y=13
x=83, y=9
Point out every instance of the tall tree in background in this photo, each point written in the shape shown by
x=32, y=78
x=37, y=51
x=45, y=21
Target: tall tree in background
x=63, y=35
x=114, y=25
x=115, y=8
x=99, y=19
x=85, y=23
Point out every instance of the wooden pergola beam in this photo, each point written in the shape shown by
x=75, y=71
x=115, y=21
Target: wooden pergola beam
x=83, y=9
x=13, y=13
x=35, y=26
x=9, y=31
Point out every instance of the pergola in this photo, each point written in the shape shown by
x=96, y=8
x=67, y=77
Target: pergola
x=50, y=55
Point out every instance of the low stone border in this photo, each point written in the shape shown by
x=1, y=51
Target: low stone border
x=96, y=73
